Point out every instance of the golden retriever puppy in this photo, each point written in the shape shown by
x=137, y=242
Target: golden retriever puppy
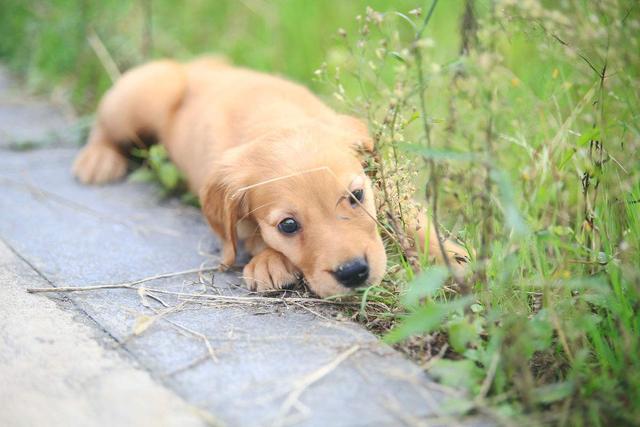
x=271, y=163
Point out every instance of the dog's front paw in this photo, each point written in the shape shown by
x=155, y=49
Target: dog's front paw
x=99, y=163
x=270, y=270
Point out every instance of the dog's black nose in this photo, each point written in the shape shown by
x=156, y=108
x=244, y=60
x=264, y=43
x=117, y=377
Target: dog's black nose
x=352, y=273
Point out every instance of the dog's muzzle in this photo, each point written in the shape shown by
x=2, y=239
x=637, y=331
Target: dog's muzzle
x=352, y=273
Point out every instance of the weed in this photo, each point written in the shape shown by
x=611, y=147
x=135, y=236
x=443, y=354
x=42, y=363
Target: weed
x=157, y=167
x=536, y=169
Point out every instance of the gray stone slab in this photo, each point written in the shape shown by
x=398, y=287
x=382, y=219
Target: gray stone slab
x=54, y=372
x=263, y=354
x=26, y=121
x=78, y=234
x=7, y=84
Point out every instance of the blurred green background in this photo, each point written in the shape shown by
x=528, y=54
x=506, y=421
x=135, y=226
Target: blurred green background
x=46, y=41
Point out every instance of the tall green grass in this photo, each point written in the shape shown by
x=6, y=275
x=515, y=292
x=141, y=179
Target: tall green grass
x=47, y=41
x=528, y=138
x=517, y=120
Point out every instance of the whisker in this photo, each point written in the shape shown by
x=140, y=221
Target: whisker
x=280, y=178
x=253, y=210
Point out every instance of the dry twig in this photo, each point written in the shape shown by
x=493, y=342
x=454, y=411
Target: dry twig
x=304, y=383
x=127, y=285
x=104, y=56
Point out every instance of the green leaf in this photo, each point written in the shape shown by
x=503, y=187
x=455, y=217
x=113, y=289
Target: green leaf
x=142, y=174
x=568, y=156
x=157, y=156
x=397, y=56
x=461, y=374
x=435, y=154
x=169, y=176
x=406, y=19
x=456, y=406
x=553, y=392
x=141, y=153
x=509, y=207
x=426, y=284
x=598, y=299
x=461, y=334
x=591, y=135
x=477, y=308
x=413, y=118
x=425, y=319
x=561, y=231
x=540, y=334
x=190, y=199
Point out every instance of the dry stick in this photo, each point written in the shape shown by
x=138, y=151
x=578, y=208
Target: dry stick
x=197, y=334
x=103, y=55
x=192, y=364
x=429, y=363
x=158, y=299
x=311, y=311
x=147, y=29
x=221, y=298
x=257, y=299
x=488, y=380
x=390, y=119
x=394, y=118
x=562, y=336
x=380, y=166
x=487, y=223
x=427, y=130
x=304, y=383
x=111, y=67
x=159, y=314
x=127, y=285
x=385, y=193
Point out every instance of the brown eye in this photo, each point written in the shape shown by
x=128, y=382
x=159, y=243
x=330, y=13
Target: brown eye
x=355, y=197
x=288, y=226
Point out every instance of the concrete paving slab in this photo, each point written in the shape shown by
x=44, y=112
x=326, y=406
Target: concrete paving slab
x=54, y=372
x=248, y=364
x=26, y=121
x=79, y=234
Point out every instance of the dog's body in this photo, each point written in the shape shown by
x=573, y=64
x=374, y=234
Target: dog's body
x=270, y=162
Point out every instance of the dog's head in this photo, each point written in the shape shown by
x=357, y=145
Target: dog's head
x=306, y=193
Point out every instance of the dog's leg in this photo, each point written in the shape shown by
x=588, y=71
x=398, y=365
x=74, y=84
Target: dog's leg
x=101, y=160
x=270, y=270
x=426, y=241
x=140, y=104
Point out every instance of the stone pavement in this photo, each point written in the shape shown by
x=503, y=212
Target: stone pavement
x=188, y=349
x=19, y=112
x=57, y=370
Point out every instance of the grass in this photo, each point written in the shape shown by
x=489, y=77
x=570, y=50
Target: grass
x=516, y=122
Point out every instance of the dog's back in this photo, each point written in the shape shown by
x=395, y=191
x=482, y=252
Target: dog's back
x=197, y=110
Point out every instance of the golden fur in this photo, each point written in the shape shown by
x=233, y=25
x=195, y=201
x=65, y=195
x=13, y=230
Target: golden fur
x=256, y=149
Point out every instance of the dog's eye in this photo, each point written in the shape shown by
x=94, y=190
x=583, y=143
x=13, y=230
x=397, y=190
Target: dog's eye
x=357, y=196
x=288, y=226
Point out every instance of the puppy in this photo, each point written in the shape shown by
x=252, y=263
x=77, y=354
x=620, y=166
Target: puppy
x=271, y=163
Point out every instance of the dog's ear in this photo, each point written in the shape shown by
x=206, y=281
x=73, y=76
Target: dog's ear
x=223, y=202
x=361, y=140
